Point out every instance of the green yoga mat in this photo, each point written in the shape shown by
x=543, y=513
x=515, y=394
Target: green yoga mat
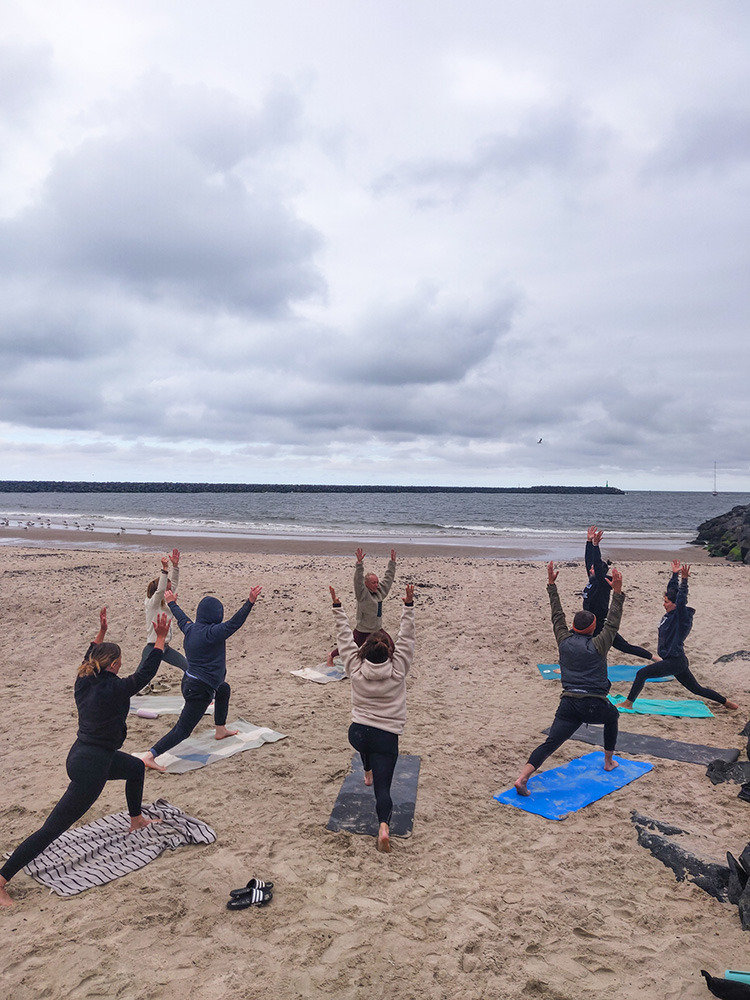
x=688, y=708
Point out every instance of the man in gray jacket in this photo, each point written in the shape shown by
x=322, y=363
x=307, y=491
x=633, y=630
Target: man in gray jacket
x=583, y=671
x=370, y=593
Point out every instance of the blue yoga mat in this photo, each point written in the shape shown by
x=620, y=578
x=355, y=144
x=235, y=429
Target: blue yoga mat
x=564, y=790
x=615, y=672
x=687, y=708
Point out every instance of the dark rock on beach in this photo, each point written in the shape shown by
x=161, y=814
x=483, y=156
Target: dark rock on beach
x=727, y=535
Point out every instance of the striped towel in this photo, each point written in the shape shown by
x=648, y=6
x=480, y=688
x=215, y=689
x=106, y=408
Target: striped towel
x=104, y=850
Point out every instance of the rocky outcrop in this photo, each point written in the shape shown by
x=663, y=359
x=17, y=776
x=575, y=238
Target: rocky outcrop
x=727, y=535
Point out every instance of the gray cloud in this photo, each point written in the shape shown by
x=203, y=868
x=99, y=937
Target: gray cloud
x=558, y=140
x=144, y=211
x=26, y=76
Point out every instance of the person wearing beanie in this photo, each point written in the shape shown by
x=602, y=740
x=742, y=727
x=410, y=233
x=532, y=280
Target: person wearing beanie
x=674, y=628
x=597, y=592
x=377, y=670
x=583, y=672
x=204, y=680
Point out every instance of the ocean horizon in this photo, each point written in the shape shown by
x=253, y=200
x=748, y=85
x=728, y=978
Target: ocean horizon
x=644, y=519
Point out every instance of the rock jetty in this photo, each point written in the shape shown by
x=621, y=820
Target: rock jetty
x=727, y=535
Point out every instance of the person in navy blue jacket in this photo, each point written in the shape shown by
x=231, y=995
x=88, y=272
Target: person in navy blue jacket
x=674, y=628
x=103, y=702
x=204, y=680
x=597, y=592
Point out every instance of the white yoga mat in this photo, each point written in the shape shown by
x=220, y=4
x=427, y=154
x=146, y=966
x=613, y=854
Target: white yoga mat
x=202, y=748
x=322, y=673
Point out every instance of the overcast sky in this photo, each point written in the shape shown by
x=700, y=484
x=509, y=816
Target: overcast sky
x=342, y=241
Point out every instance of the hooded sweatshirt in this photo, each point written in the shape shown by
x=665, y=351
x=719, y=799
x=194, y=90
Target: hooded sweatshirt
x=676, y=624
x=378, y=689
x=205, y=638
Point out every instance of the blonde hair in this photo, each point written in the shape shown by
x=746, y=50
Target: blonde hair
x=100, y=656
x=151, y=588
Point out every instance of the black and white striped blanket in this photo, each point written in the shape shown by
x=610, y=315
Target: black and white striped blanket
x=104, y=850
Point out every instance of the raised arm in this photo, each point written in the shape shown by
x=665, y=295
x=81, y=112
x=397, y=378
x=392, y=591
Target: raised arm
x=174, y=575
x=403, y=650
x=183, y=622
x=390, y=575
x=161, y=586
x=222, y=630
x=559, y=625
x=102, y=627
x=606, y=637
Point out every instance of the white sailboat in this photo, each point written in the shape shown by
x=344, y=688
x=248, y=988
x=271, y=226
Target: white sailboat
x=714, y=492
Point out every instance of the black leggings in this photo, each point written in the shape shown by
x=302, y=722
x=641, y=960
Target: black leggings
x=625, y=647
x=379, y=752
x=677, y=665
x=171, y=656
x=89, y=769
x=197, y=697
x=571, y=713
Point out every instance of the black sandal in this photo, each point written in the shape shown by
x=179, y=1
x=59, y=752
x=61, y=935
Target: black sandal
x=254, y=883
x=251, y=897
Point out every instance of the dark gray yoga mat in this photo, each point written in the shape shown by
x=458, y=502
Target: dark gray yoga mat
x=354, y=809
x=655, y=746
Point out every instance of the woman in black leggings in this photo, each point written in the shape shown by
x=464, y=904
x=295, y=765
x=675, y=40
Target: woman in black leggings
x=674, y=628
x=103, y=700
x=378, y=672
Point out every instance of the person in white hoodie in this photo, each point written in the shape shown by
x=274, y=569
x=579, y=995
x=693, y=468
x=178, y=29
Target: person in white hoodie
x=154, y=605
x=377, y=671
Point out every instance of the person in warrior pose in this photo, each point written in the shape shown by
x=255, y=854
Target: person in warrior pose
x=370, y=594
x=597, y=592
x=674, y=628
x=103, y=700
x=377, y=669
x=583, y=668
x=205, y=677
x=155, y=604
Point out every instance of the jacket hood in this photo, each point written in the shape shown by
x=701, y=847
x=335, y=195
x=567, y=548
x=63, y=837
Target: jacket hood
x=210, y=611
x=377, y=671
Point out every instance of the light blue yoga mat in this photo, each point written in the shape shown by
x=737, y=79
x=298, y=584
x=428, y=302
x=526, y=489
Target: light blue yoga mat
x=688, y=708
x=564, y=790
x=615, y=672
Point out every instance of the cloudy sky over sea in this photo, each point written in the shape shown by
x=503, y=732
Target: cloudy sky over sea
x=341, y=241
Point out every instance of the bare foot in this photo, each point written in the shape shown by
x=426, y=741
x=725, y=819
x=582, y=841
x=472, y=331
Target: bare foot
x=329, y=660
x=150, y=762
x=140, y=823
x=520, y=787
x=222, y=732
x=384, y=839
x=610, y=765
x=731, y=705
x=368, y=777
x=5, y=899
x=625, y=704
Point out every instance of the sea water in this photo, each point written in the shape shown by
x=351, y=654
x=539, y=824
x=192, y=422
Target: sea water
x=535, y=520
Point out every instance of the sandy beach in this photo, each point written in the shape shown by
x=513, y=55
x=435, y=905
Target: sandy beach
x=483, y=901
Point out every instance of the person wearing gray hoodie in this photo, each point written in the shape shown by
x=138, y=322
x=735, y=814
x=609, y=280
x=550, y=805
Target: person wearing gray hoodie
x=377, y=670
x=204, y=680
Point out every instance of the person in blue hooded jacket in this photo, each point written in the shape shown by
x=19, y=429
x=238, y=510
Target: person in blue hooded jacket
x=674, y=629
x=205, y=678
